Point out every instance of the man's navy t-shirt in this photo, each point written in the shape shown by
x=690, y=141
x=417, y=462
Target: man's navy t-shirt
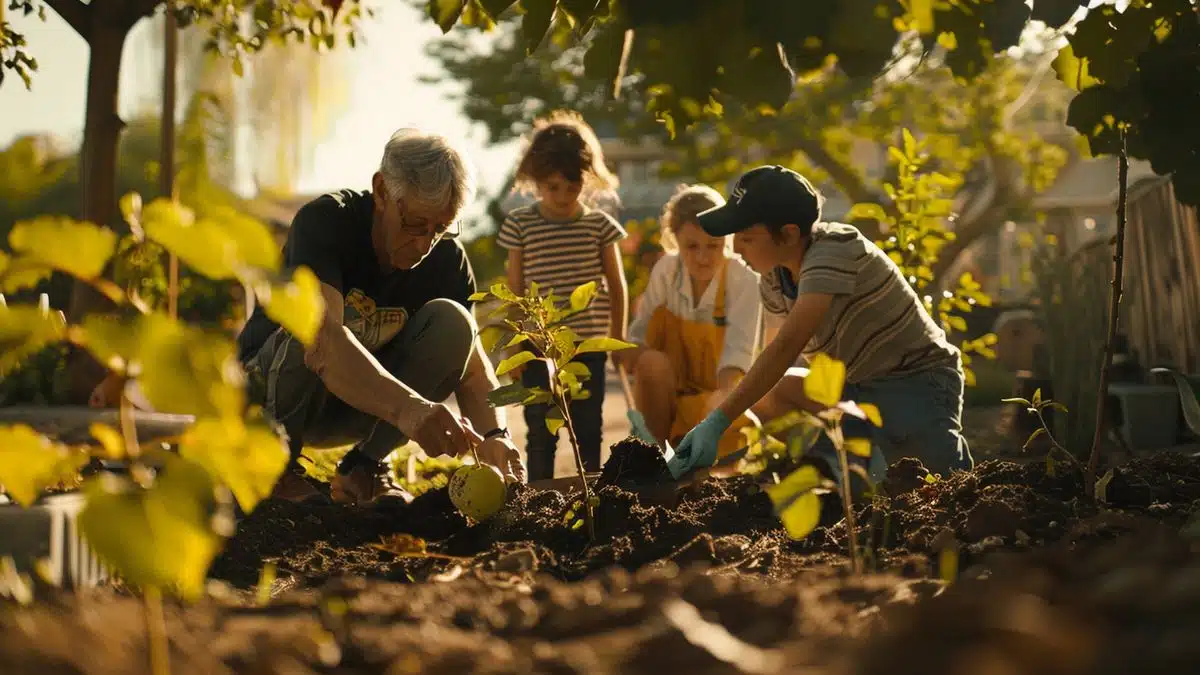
x=332, y=236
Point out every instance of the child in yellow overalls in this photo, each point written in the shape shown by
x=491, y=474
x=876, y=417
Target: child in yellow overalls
x=696, y=326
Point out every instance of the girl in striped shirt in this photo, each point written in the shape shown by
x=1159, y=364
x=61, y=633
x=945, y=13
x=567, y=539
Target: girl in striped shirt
x=560, y=243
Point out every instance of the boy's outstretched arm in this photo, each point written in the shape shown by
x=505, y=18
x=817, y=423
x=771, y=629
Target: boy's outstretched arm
x=801, y=322
x=618, y=291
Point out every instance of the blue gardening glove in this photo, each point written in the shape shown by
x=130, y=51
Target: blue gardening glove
x=639, y=429
x=699, y=447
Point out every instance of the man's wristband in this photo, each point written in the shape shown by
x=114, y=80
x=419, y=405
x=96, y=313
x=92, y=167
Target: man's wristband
x=495, y=433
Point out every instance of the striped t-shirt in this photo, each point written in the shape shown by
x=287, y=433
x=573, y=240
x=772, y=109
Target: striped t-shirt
x=876, y=325
x=560, y=256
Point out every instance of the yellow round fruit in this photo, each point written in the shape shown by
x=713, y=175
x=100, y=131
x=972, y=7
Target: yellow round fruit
x=478, y=491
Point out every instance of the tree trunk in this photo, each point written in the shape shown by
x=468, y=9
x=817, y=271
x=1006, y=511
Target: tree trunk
x=98, y=168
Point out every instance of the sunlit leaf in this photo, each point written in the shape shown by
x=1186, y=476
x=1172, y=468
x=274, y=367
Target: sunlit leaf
x=516, y=340
x=26, y=330
x=219, y=247
x=796, y=502
x=825, y=380
x=296, y=305
x=188, y=370
x=30, y=462
x=110, y=440
x=247, y=459
x=19, y=273
x=159, y=537
x=514, y=361
x=509, y=394
x=501, y=291
x=858, y=446
x=479, y=297
x=602, y=344
x=79, y=249
x=922, y=14
x=582, y=297
x=554, y=420
x=112, y=340
x=866, y=211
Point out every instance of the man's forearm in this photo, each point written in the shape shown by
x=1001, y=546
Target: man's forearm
x=478, y=381
x=353, y=374
x=619, y=311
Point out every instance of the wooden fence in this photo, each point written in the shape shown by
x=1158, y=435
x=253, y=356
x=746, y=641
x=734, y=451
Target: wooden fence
x=1160, y=311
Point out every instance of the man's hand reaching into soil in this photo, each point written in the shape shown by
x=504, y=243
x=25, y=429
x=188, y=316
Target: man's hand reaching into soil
x=439, y=431
x=500, y=452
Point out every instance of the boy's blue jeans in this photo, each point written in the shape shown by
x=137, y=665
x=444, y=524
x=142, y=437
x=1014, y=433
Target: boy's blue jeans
x=587, y=416
x=922, y=418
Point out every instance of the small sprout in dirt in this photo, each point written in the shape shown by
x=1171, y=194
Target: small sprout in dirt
x=1038, y=407
x=933, y=478
x=478, y=491
x=266, y=579
x=535, y=324
x=1102, y=486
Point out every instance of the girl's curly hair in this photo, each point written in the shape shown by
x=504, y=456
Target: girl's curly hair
x=688, y=202
x=565, y=144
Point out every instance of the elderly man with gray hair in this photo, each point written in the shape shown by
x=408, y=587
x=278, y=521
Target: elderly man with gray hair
x=398, y=336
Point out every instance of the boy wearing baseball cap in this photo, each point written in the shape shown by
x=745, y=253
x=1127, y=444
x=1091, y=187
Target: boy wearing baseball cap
x=838, y=293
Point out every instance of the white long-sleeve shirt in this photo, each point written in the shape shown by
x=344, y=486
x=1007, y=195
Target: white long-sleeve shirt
x=670, y=286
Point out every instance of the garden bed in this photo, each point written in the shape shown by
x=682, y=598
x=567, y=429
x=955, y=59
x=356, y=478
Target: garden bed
x=1047, y=582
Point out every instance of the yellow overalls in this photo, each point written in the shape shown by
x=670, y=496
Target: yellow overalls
x=694, y=349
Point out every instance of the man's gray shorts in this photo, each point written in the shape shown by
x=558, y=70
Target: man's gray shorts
x=429, y=354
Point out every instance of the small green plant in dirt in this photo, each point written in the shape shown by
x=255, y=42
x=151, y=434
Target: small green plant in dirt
x=1038, y=406
x=923, y=200
x=535, y=324
x=161, y=527
x=796, y=498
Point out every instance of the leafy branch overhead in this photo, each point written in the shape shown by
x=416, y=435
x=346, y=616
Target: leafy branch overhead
x=693, y=58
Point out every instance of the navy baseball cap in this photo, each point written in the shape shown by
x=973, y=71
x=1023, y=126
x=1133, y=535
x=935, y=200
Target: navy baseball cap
x=768, y=195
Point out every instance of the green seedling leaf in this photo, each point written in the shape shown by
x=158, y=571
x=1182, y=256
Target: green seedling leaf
x=30, y=462
x=858, y=446
x=1024, y=402
x=160, y=537
x=796, y=501
x=507, y=365
x=20, y=273
x=865, y=411
x=296, y=305
x=112, y=444
x=247, y=459
x=554, y=421
x=866, y=211
x=194, y=371
x=26, y=330
x=922, y=13
x=43, y=241
x=582, y=297
x=479, y=296
x=491, y=336
x=219, y=248
x=826, y=377
x=509, y=394
x=602, y=344
x=1037, y=433
x=516, y=340
x=578, y=370
x=1102, y=486
x=502, y=292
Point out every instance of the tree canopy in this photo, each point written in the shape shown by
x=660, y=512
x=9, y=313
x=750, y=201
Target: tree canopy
x=1137, y=69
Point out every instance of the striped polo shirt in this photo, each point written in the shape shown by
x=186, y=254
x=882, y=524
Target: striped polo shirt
x=876, y=325
x=560, y=256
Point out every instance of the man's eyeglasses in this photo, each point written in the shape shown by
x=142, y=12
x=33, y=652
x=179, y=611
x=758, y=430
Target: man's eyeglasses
x=435, y=232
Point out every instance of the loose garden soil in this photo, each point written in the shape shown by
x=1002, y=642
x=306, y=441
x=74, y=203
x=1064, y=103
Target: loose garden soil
x=1047, y=582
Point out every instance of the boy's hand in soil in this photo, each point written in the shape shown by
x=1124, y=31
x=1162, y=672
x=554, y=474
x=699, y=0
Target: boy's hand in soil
x=699, y=447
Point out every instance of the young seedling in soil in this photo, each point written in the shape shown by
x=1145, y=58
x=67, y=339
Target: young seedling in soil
x=797, y=497
x=536, y=322
x=1037, y=407
x=161, y=528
